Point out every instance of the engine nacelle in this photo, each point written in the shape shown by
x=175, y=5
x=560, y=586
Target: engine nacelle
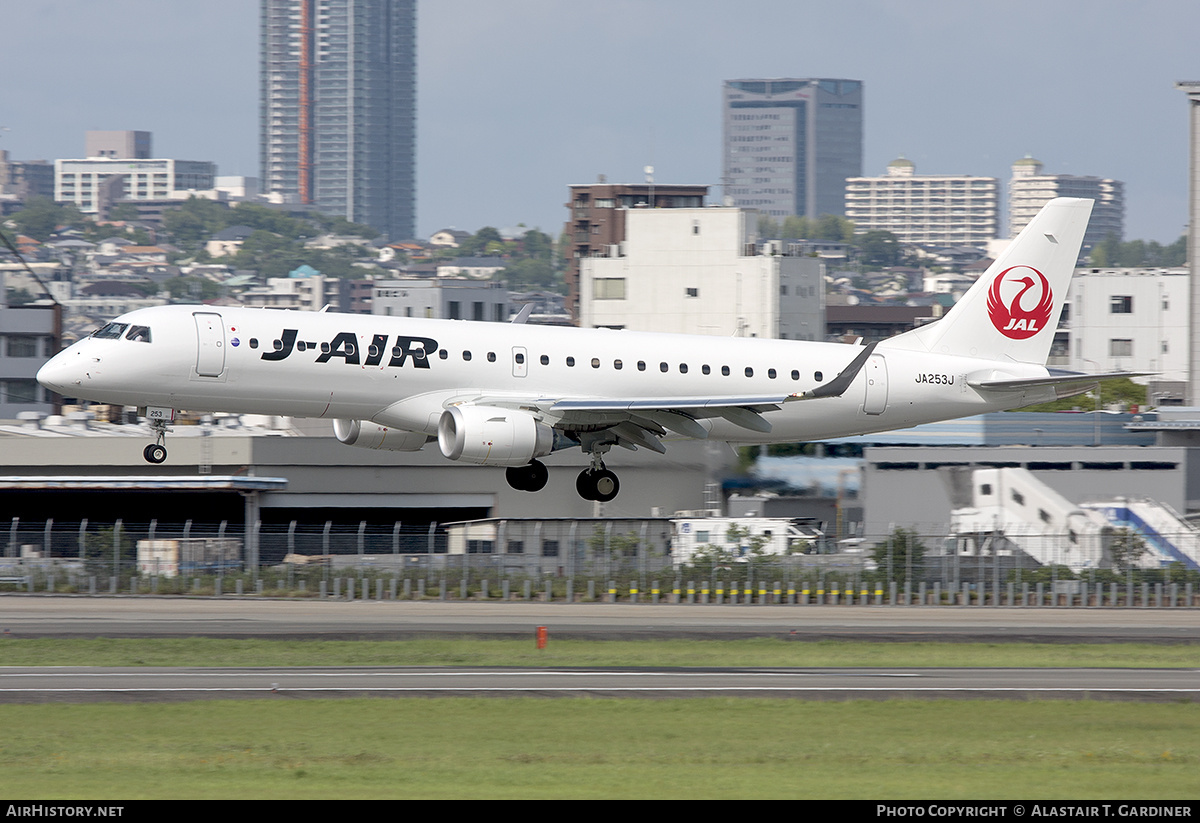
x=367, y=435
x=493, y=436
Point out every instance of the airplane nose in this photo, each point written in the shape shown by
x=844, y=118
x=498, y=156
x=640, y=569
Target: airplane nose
x=60, y=373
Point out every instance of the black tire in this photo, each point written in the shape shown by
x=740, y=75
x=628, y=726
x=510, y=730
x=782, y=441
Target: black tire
x=515, y=475
x=537, y=475
x=154, y=453
x=583, y=485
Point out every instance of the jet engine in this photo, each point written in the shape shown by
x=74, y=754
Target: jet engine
x=367, y=435
x=493, y=436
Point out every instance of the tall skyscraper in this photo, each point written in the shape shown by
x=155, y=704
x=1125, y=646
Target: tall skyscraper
x=338, y=108
x=790, y=144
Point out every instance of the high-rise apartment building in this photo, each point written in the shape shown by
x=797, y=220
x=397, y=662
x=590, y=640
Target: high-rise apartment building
x=925, y=208
x=338, y=108
x=1029, y=190
x=791, y=144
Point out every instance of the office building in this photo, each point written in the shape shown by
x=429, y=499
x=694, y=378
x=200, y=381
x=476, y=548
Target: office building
x=598, y=216
x=925, y=208
x=20, y=180
x=791, y=144
x=338, y=108
x=1030, y=189
x=117, y=145
x=95, y=183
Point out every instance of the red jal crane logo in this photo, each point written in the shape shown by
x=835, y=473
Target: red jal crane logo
x=1013, y=320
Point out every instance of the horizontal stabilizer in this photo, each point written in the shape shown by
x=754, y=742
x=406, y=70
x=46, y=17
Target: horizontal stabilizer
x=1054, y=379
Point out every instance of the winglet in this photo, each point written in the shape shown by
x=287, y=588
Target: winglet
x=838, y=385
x=522, y=315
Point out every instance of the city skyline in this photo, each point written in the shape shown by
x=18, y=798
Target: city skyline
x=517, y=101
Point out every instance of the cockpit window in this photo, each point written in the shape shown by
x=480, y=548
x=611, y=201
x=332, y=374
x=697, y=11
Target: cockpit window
x=141, y=333
x=111, y=331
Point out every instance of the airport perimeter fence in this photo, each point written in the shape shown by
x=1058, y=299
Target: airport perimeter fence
x=564, y=561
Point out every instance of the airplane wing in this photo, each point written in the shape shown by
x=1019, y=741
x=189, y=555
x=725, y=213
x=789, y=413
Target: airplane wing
x=641, y=421
x=1055, y=378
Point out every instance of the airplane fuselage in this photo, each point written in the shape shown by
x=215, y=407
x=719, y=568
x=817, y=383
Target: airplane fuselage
x=404, y=372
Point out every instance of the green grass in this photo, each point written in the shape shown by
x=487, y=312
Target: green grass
x=581, y=748
x=457, y=651
x=288, y=747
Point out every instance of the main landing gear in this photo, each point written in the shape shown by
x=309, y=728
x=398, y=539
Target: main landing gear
x=156, y=452
x=530, y=478
x=596, y=482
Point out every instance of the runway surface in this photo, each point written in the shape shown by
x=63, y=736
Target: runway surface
x=141, y=616
x=87, y=684
x=56, y=616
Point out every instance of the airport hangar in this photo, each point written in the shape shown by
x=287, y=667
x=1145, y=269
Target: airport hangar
x=74, y=468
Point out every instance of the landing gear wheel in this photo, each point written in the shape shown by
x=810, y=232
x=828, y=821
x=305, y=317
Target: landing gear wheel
x=530, y=478
x=155, y=453
x=600, y=485
x=583, y=485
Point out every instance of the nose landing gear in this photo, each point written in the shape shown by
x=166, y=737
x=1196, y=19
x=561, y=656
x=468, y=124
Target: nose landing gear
x=156, y=452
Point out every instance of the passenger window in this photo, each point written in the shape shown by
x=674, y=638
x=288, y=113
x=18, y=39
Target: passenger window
x=570, y=361
x=443, y=354
x=618, y=365
x=749, y=372
x=683, y=368
x=254, y=342
x=595, y=362
x=663, y=367
x=705, y=368
x=641, y=365
x=725, y=370
x=520, y=358
x=545, y=358
x=466, y=355
x=795, y=374
x=818, y=376
x=324, y=348
x=491, y=357
x=771, y=373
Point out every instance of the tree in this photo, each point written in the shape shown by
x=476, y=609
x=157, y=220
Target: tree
x=42, y=216
x=531, y=272
x=1125, y=548
x=900, y=556
x=880, y=248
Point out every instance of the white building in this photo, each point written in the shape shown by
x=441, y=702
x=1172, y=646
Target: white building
x=92, y=184
x=702, y=271
x=1029, y=190
x=925, y=208
x=1135, y=320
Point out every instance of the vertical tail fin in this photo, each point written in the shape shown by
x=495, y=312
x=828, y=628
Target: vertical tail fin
x=1012, y=310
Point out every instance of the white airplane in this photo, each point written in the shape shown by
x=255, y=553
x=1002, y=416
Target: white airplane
x=500, y=394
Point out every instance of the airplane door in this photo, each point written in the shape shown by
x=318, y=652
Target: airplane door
x=210, y=344
x=875, y=369
x=520, y=361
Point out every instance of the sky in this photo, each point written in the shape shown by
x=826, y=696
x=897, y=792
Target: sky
x=518, y=99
